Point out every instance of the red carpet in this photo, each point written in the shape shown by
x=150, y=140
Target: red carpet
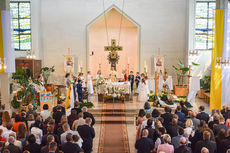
x=113, y=136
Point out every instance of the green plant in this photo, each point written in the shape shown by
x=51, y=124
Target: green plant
x=46, y=71
x=205, y=83
x=152, y=96
x=26, y=92
x=182, y=70
x=88, y=105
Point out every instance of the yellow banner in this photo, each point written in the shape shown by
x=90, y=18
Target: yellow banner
x=216, y=73
x=1, y=43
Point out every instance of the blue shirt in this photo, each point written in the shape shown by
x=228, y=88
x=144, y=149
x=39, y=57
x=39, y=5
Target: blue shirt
x=181, y=116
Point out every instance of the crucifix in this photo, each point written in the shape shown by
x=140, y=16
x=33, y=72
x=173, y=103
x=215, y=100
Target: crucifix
x=113, y=57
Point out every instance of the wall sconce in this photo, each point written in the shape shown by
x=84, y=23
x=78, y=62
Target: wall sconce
x=193, y=52
x=222, y=63
x=30, y=55
x=3, y=64
x=91, y=54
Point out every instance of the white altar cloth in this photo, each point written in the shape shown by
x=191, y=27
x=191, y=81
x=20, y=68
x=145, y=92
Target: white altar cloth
x=118, y=86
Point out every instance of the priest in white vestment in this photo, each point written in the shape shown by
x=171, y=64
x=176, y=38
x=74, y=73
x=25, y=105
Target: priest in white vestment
x=113, y=75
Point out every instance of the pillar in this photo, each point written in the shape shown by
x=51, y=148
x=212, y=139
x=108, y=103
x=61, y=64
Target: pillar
x=5, y=77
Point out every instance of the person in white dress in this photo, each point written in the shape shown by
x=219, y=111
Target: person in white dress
x=82, y=79
x=90, y=83
x=140, y=82
x=143, y=91
x=99, y=74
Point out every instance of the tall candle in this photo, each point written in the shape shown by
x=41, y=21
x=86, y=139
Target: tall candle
x=128, y=60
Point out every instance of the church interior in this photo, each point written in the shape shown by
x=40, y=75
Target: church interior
x=115, y=76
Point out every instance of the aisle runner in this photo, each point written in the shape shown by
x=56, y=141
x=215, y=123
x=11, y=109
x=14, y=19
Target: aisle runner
x=113, y=136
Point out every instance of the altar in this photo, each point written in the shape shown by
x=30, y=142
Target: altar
x=119, y=91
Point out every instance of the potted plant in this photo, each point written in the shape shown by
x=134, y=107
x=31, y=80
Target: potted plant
x=181, y=89
x=204, y=85
x=46, y=72
x=100, y=89
x=26, y=92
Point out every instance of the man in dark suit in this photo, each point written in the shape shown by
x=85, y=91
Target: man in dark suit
x=32, y=146
x=137, y=79
x=131, y=80
x=144, y=144
x=210, y=145
x=50, y=131
x=52, y=147
x=87, y=114
x=87, y=133
x=45, y=149
x=57, y=115
x=69, y=146
x=167, y=116
x=220, y=126
x=183, y=148
x=11, y=147
x=59, y=103
x=202, y=115
x=79, y=90
x=226, y=143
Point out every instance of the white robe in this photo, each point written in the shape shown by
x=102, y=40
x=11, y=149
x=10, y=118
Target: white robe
x=143, y=91
x=90, y=84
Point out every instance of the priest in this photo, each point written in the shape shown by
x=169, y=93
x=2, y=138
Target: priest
x=113, y=75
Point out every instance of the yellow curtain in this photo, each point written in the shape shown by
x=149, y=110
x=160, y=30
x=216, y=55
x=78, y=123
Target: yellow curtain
x=67, y=104
x=216, y=73
x=1, y=43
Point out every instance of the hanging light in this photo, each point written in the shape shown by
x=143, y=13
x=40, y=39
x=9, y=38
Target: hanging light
x=30, y=55
x=193, y=52
x=220, y=63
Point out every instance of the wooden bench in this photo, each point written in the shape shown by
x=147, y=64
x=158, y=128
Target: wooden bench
x=207, y=97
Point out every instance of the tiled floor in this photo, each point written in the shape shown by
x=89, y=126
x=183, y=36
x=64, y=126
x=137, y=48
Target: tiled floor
x=131, y=127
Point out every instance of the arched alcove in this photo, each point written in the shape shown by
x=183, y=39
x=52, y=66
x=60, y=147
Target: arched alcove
x=97, y=39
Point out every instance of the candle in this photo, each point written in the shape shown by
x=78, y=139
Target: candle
x=128, y=60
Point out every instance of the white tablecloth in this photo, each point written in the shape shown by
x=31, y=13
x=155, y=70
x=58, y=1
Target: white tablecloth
x=102, y=89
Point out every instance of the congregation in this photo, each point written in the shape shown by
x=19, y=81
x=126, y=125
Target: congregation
x=47, y=132
x=183, y=131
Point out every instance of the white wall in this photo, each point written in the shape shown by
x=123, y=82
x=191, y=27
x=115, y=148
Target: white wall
x=63, y=25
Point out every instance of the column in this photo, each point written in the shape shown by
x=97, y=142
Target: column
x=221, y=4
x=4, y=77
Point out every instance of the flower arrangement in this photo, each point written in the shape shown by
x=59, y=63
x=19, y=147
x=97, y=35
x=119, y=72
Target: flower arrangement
x=62, y=97
x=152, y=96
x=100, y=81
x=46, y=72
x=163, y=95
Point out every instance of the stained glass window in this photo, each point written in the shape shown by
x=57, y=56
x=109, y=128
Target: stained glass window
x=21, y=22
x=204, y=24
